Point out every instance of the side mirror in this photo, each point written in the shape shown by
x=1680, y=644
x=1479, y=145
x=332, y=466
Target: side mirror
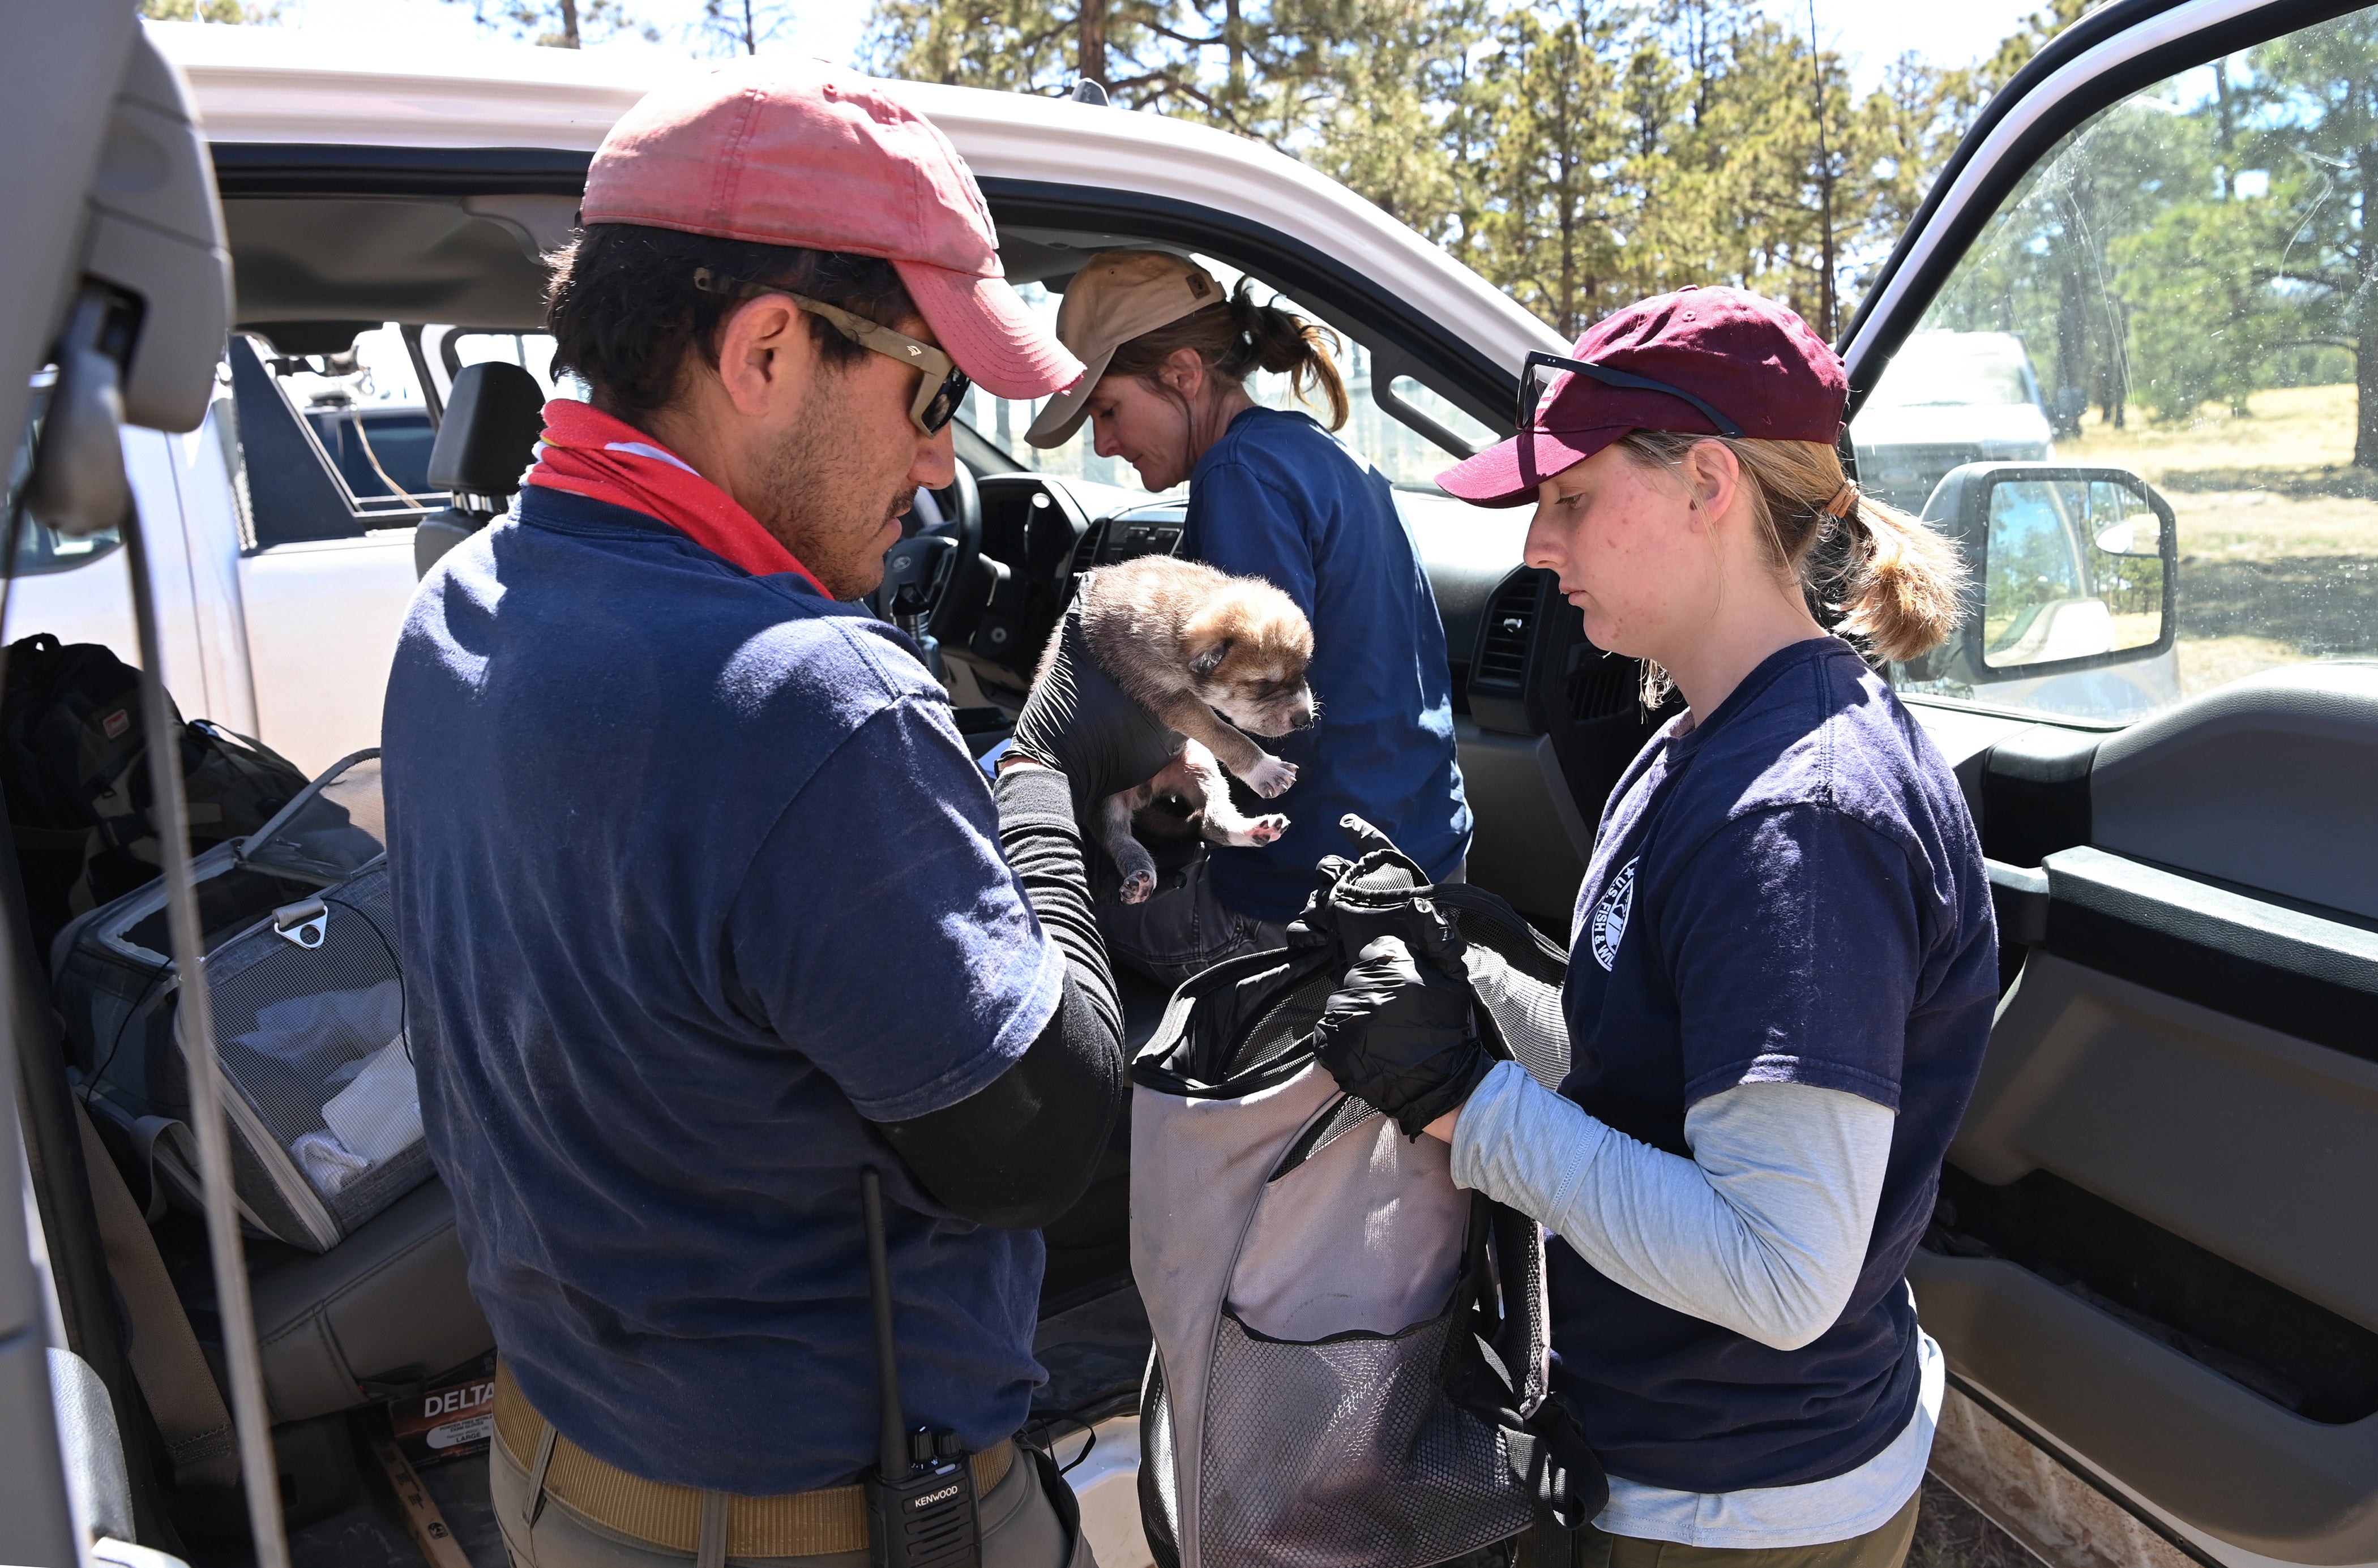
x=2075, y=568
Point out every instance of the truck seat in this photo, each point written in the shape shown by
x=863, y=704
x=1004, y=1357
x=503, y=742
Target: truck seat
x=485, y=441
x=388, y=1303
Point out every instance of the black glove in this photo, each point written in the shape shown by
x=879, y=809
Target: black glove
x=1398, y=1032
x=1078, y=722
x=1384, y=893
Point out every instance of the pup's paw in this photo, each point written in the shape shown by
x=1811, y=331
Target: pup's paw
x=1270, y=777
x=1137, y=885
x=1249, y=831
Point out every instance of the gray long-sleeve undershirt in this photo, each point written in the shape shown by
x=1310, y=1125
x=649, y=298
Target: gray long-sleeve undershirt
x=1764, y=1232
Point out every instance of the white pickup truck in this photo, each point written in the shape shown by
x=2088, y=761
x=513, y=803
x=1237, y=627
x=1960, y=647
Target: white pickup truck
x=2152, y=1270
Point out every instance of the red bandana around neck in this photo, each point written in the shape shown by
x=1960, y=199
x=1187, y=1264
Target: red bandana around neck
x=589, y=453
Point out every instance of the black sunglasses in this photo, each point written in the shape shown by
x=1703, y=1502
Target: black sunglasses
x=1532, y=388
x=943, y=387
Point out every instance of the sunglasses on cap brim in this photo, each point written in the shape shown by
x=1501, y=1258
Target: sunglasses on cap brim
x=1532, y=388
x=939, y=394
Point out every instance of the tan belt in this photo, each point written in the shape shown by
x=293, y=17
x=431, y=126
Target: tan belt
x=802, y=1524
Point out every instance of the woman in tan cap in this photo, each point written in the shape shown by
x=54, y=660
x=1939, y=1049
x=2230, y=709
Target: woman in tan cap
x=1272, y=495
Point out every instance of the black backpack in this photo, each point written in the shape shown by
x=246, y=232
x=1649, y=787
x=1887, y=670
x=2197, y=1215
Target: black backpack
x=73, y=764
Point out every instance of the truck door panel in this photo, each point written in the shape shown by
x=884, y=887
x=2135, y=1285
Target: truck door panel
x=2152, y=1248
x=2151, y=1242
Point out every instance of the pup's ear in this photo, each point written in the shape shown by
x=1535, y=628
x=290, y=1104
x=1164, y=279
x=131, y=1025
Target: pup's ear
x=1209, y=660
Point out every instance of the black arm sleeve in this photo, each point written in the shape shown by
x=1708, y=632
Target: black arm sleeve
x=1022, y=1150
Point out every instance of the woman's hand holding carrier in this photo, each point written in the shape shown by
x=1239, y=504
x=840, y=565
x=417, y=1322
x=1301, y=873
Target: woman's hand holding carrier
x=1398, y=1035
x=1398, y=1031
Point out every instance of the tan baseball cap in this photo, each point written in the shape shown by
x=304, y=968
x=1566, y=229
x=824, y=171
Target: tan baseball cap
x=1117, y=296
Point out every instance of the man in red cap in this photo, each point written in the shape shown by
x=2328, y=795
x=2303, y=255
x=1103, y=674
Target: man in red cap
x=709, y=909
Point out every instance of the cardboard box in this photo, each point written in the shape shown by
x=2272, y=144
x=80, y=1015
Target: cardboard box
x=452, y=1418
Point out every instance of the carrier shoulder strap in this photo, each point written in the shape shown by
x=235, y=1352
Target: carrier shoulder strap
x=1549, y=1454
x=172, y=1370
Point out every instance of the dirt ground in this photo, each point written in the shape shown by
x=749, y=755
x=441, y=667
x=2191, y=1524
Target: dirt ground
x=1951, y=1533
x=2278, y=531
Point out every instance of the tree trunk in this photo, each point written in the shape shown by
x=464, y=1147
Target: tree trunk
x=2071, y=394
x=2365, y=392
x=750, y=32
x=1092, y=61
x=1826, y=301
x=2365, y=349
x=1234, y=38
x=570, y=24
x=2118, y=366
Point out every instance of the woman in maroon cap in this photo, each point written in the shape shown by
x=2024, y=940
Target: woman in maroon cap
x=1784, y=966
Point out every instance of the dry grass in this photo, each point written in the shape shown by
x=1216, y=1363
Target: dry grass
x=2209, y=662
x=2293, y=428
x=2279, y=482
x=2278, y=530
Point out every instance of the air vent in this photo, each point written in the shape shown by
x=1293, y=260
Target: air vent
x=1603, y=684
x=1502, y=661
x=1085, y=549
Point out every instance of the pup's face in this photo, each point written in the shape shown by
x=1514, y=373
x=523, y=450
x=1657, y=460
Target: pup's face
x=1249, y=647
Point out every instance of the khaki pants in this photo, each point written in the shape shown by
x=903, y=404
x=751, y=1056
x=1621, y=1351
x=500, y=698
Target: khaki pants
x=1883, y=1546
x=1020, y=1529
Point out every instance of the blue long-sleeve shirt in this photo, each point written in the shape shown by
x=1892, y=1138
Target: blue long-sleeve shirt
x=1277, y=497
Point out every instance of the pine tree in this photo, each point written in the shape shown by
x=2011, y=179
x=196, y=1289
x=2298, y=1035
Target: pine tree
x=558, y=24
x=1579, y=153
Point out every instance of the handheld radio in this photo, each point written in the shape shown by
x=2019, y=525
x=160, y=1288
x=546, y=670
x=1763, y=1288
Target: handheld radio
x=920, y=1501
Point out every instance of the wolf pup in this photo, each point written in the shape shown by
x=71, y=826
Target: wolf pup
x=1197, y=648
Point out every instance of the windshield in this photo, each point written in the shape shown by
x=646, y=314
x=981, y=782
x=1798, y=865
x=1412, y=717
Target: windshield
x=1956, y=370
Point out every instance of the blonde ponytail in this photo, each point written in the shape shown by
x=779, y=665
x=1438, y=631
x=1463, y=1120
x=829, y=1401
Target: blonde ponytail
x=1896, y=584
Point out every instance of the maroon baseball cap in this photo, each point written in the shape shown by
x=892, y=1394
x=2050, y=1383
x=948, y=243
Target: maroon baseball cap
x=801, y=153
x=1712, y=357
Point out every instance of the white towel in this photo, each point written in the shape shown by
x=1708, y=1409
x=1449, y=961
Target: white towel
x=328, y=1163
x=378, y=1115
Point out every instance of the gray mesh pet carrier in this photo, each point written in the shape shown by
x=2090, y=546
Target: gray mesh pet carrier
x=1352, y=1354
x=309, y=1016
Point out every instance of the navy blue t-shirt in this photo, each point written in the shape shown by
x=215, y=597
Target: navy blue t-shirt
x=697, y=883
x=1791, y=892
x=1277, y=498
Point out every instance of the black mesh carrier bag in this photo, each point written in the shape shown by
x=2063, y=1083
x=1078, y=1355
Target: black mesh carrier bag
x=317, y=1085
x=1352, y=1354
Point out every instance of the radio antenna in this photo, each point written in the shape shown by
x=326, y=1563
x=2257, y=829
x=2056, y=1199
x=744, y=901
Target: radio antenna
x=1825, y=176
x=891, y=1439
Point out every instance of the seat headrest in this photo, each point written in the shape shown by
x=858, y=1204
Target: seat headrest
x=488, y=436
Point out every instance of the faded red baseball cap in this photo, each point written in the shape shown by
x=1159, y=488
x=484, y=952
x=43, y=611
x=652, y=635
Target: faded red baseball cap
x=1711, y=351
x=803, y=153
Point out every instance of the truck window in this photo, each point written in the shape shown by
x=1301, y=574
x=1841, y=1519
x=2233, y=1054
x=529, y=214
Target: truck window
x=2178, y=288
x=336, y=446
x=1381, y=426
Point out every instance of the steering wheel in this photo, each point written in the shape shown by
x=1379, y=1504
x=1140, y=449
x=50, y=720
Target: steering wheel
x=920, y=571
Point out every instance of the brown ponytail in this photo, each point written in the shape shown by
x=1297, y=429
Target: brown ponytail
x=1898, y=585
x=1236, y=337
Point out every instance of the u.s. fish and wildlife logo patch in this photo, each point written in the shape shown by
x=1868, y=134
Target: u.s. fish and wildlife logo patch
x=1610, y=913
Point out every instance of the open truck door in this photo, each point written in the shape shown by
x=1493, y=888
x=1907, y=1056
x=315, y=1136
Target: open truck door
x=2153, y=1259
x=118, y=291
